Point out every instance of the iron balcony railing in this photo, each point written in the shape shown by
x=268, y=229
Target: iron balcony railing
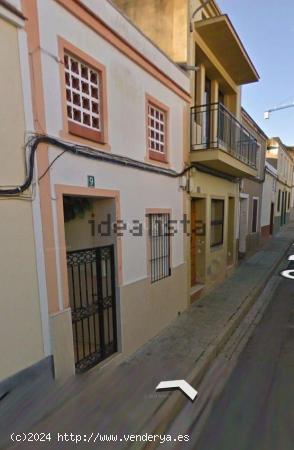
x=213, y=126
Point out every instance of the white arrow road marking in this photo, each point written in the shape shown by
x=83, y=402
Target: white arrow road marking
x=185, y=387
x=289, y=273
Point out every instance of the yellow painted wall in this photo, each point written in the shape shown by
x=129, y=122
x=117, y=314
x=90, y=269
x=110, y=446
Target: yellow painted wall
x=217, y=258
x=165, y=22
x=20, y=325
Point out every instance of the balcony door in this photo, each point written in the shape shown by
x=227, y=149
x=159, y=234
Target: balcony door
x=221, y=117
x=206, y=112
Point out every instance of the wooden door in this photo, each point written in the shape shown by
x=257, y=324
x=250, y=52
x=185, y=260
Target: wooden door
x=243, y=230
x=193, y=243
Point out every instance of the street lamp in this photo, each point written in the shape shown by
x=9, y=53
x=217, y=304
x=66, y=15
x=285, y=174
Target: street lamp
x=266, y=114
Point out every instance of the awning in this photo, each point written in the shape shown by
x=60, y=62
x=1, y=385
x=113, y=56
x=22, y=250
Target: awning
x=222, y=39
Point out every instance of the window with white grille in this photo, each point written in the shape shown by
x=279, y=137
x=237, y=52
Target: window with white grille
x=83, y=93
x=156, y=129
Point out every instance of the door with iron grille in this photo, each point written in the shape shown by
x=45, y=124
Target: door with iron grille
x=91, y=277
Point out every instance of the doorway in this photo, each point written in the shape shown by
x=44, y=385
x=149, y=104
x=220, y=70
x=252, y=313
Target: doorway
x=207, y=112
x=198, y=241
x=231, y=231
x=272, y=214
x=221, y=116
x=243, y=226
x=91, y=277
x=91, y=274
x=282, y=210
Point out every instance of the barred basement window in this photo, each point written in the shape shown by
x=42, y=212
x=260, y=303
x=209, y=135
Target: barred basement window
x=217, y=222
x=157, y=132
x=83, y=98
x=159, y=246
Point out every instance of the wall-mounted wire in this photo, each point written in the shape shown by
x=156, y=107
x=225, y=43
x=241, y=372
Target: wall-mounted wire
x=78, y=150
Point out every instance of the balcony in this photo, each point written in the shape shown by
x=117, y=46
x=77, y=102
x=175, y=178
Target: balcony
x=220, y=142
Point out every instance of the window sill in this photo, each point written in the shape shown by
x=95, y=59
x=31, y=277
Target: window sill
x=156, y=282
x=165, y=163
x=86, y=133
x=66, y=135
x=158, y=157
x=215, y=248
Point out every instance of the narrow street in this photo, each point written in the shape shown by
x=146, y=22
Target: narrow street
x=244, y=398
x=255, y=410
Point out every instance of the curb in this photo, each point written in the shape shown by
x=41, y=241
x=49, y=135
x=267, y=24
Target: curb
x=174, y=403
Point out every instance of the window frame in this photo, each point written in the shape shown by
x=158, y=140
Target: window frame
x=73, y=129
x=152, y=154
x=162, y=271
x=217, y=222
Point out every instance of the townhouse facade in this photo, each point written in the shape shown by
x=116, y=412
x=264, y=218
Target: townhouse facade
x=106, y=150
x=222, y=150
x=23, y=321
x=280, y=157
x=251, y=193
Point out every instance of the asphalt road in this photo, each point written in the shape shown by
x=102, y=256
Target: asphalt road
x=255, y=410
x=245, y=400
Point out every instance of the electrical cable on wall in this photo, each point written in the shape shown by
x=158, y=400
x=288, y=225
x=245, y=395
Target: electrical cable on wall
x=78, y=150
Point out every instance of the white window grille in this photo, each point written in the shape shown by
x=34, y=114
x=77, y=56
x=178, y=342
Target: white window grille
x=159, y=234
x=83, y=96
x=156, y=129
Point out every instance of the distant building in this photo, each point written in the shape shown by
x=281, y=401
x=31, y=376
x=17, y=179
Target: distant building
x=280, y=157
x=268, y=211
x=251, y=198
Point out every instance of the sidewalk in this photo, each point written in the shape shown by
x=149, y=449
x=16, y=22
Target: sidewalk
x=122, y=399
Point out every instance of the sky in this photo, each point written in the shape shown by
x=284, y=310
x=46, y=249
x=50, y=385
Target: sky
x=266, y=28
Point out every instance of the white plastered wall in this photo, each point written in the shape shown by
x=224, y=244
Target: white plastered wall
x=127, y=86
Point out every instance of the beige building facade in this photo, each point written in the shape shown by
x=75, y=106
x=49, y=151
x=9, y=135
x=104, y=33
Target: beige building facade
x=222, y=151
x=23, y=321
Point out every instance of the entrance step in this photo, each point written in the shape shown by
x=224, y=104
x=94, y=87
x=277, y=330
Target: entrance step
x=196, y=291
